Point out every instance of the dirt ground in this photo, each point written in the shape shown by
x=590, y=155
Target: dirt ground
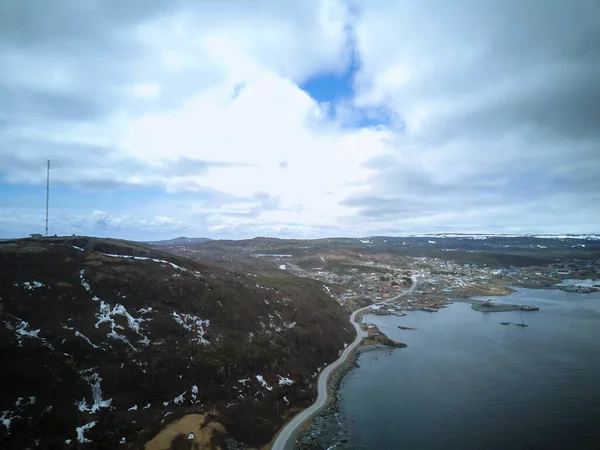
x=192, y=423
x=484, y=289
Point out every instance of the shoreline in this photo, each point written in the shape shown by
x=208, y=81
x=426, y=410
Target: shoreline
x=294, y=428
x=478, y=305
x=314, y=427
x=334, y=381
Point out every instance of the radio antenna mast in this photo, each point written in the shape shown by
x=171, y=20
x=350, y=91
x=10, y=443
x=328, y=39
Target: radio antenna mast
x=47, y=195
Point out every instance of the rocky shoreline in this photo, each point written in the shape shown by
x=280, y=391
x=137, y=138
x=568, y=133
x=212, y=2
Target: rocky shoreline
x=321, y=423
x=489, y=306
x=328, y=420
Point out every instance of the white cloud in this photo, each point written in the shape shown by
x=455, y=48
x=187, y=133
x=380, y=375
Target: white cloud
x=490, y=114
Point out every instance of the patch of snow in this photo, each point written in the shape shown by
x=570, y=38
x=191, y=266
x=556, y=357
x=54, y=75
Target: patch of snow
x=145, y=310
x=81, y=430
x=166, y=403
x=375, y=307
x=22, y=331
x=191, y=436
x=123, y=440
x=286, y=400
x=179, y=399
x=145, y=258
x=94, y=380
x=32, y=400
x=194, y=391
x=192, y=323
x=29, y=285
x=365, y=241
x=67, y=441
x=133, y=408
x=78, y=334
x=78, y=248
x=282, y=266
x=283, y=381
x=105, y=315
x=263, y=383
x=569, y=236
x=147, y=406
x=84, y=282
x=244, y=380
x=6, y=418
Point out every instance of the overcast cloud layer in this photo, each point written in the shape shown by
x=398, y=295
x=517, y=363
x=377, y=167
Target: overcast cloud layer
x=188, y=117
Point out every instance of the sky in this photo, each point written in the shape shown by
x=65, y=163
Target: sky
x=313, y=118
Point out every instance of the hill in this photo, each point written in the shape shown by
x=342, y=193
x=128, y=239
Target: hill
x=176, y=241
x=106, y=342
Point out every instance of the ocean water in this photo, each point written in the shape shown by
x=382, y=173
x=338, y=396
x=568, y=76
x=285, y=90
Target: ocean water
x=467, y=382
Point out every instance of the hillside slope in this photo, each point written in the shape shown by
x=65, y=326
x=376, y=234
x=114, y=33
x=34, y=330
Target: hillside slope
x=108, y=341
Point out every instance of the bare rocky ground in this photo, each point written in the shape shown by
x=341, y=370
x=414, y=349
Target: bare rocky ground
x=105, y=343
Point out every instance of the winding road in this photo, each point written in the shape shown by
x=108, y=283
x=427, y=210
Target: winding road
x=286, y=438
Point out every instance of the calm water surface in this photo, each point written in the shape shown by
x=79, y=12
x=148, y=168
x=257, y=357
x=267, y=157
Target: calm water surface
x=467, y=382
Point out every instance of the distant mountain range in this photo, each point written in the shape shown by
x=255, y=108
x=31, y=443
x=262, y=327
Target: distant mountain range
x=182, y=240
x=524, y=235
x=192, y=241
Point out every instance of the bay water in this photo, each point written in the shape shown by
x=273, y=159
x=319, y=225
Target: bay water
x=467, y=382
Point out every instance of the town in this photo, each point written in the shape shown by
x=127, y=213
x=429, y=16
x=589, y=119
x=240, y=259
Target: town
x=358, y=282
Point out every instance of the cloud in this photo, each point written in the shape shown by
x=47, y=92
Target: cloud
x=500, y=113
x=469, y=116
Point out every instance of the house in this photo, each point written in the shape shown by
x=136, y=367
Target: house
x=35, y=235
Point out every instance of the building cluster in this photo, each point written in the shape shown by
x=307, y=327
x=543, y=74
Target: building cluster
x=375, y=281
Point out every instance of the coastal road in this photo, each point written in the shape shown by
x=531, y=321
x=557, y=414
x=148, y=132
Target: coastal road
x=286, y=438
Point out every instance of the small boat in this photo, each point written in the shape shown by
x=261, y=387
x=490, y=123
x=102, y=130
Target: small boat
x=521, y=325
x=505, y=323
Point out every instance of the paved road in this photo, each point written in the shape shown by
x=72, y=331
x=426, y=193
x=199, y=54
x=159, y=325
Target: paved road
x=287, y=436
